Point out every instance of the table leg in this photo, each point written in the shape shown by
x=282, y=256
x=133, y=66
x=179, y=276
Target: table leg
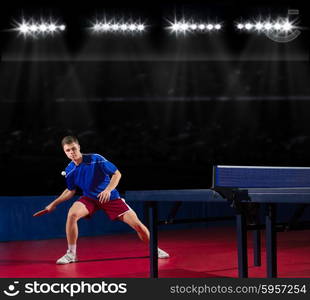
x=242, y=246
x=152, y=210
x=257, y=247
x=271, y=241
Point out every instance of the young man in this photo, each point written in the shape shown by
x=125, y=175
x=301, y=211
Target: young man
x=97, y=178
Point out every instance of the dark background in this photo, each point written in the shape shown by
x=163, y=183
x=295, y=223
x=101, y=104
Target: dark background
x=163, y=108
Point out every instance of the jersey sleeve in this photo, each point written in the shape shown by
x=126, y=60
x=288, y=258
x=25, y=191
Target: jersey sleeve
x=106, y=166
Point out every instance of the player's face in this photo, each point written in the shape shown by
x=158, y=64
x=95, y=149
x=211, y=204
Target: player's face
x=73, y=151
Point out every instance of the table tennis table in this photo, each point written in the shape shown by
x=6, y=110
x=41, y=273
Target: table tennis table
x=236, y=185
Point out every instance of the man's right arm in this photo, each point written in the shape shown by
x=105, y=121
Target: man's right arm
x=66, y=195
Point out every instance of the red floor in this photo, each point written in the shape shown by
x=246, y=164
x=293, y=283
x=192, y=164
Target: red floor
x=200, y=252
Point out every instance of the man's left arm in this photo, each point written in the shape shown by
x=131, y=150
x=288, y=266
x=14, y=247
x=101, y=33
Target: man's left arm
x=104, y=196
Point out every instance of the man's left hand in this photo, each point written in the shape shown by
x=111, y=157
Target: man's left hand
x=104, y=196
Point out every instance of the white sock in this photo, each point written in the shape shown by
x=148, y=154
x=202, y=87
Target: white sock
x=72, y=248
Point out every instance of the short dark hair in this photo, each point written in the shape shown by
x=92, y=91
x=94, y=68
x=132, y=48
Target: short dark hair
x=69, y=139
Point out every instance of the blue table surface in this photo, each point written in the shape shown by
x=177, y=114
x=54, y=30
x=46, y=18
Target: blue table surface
x=264, y=195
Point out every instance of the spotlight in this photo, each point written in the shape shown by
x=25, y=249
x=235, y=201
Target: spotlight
x=287, y=26
x=218, y=26
x=42, y=27
x=115, y=27
x=248, y=26
x=240, y=26
x=277, y=26
x=268, y=26
x=33, y=28
x=184, y=27
x=259, y=26
x=52, y=27
x=132, y=27
x=96, y=27
x=23, y=28
x=124, y=27
x=105, y=27
x=141, y=27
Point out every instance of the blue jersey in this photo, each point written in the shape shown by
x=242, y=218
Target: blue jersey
x=92, y=176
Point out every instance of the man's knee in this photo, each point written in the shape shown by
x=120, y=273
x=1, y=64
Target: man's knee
x=76, y=212
x=132, y=219
x=73, y=216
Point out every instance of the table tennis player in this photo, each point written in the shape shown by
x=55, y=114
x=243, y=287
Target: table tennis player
x=97, y=178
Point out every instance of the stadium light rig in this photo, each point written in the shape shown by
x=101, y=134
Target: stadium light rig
x=185, y=27
x=118, y=27
x=279, y=30
x=277, y=25
x=37, y=29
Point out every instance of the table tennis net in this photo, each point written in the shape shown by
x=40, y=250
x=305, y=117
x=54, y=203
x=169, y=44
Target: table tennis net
x=260, y=176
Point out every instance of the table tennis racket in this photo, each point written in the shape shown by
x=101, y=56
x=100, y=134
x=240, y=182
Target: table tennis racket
x=40, y=212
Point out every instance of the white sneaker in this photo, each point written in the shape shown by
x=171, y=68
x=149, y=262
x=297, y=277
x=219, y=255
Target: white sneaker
x=162, y=254
x=69, y=257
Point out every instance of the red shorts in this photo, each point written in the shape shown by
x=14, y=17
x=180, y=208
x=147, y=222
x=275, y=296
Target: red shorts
x=113, y=208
